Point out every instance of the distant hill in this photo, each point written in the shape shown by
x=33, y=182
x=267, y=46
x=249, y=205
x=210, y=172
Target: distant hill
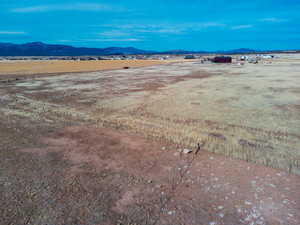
x=41, y=49
x=239, y=51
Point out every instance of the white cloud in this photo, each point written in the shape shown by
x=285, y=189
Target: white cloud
x=112, y=40
x=66, y=41
x=12, y=32
x=273, y=20
x=31, y=9
x=114, y=33
x=211, y=24
x=240, y=27
x=167, y=28
x=101, y=40
x=67, y=7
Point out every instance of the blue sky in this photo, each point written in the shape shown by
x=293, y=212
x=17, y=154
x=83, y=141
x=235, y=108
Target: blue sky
x=154, y=25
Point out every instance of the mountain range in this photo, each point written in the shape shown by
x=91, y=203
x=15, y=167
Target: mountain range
x=42, y=49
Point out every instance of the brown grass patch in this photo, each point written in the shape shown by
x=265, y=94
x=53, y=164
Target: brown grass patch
x=46, y=67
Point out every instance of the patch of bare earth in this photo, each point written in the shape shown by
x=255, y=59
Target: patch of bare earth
x=104, y=176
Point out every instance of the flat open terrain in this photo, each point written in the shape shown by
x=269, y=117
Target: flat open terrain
x=103, y=147
x=61, y=66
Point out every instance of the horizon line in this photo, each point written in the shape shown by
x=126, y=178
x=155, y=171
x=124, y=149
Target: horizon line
x=158, y=51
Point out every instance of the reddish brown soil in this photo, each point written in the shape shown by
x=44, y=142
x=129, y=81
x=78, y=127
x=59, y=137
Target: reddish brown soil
x=154, y=83
x=111, y=177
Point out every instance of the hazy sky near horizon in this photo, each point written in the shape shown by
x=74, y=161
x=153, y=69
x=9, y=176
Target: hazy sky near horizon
x=154, y=25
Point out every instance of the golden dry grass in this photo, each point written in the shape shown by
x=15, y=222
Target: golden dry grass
x=63, y=66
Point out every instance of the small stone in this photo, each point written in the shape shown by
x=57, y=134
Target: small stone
x=176, y=154
x=171, y=212
x=186, y=151
x=272, y=185
x=163, y=148
x=149, y=181
x=285, y=201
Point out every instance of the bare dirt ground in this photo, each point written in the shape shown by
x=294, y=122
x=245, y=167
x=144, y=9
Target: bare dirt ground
x=102, y=147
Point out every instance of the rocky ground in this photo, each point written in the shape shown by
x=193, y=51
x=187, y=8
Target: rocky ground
x=80, y=174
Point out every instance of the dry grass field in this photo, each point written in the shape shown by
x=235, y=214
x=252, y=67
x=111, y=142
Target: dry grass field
x=63, y=66
x=86, y=148
x=247, y=112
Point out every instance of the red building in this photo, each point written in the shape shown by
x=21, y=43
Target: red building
x=222, y=59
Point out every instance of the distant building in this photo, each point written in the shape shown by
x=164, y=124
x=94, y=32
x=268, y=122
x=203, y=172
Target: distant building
x=244, y=58
x=222, y=59
x=189, y=57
